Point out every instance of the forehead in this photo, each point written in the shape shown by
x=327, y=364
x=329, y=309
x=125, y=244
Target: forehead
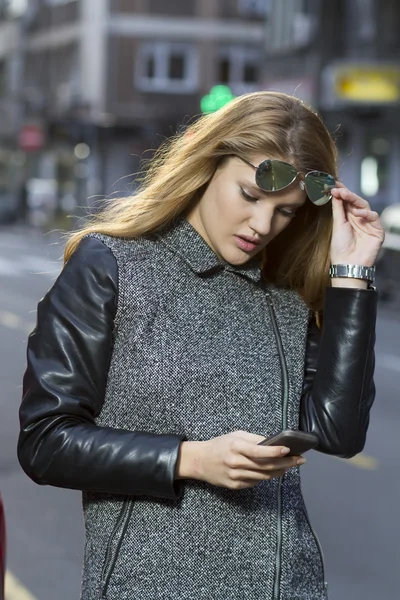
x=256, y=159
x=246, y=174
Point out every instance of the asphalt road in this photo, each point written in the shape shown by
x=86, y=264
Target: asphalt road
x=353, y=505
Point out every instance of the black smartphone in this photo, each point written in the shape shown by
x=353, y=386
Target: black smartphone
x=297, y=441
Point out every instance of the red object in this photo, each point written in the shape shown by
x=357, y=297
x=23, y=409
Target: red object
x=31, y=138
x=2, y=549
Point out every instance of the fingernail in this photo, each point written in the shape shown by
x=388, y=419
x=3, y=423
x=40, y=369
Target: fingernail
x=301, y=461
x=285, y=450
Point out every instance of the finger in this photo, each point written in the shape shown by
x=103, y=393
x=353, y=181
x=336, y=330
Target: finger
x=338, y=211
x=278, y=464
x=248, y=437
x=345, y=194
x=369, y=215
x=266, y=464
x=254, y=451
x=339, y=184
x=252, y=476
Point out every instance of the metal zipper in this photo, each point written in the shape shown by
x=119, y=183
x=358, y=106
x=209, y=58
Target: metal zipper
x=285, y=394
x=112, y=555
x=318, y=543
x=285, y=385
x=278, y=555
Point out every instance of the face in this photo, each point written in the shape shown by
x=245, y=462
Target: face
x=236, y=218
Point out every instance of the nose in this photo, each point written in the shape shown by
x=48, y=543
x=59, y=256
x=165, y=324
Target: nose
x=261, y=218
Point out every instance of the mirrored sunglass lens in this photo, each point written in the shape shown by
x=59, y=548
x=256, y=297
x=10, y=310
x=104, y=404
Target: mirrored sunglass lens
x=319, y=187
x=274, y=175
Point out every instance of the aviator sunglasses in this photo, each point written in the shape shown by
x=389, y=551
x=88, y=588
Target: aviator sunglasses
x=276, y=175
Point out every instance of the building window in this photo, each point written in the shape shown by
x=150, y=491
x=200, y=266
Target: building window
x=150, y=68
x=15, y=8
x=224, y=69
x=167, y=67
x=291, y=24
x=375, y=169
x=239, y=68
x=176, y=67
x=364, y=21
x=254, y=8
x=250, y=73
x=58, y=2
x=177, y=8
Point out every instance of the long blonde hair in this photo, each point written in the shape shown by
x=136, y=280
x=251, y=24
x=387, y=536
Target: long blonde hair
x=267, y=123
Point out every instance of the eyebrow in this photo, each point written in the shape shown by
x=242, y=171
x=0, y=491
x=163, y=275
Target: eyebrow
x=254, y=188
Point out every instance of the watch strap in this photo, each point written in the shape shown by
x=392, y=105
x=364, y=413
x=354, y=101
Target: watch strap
x=353, y=271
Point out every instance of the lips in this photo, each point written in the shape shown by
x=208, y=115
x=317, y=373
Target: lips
x=246, y=243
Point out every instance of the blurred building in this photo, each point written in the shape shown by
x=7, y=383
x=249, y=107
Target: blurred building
x=343, y=57
x=103, y=81
x=11, y=158
x=88, y=86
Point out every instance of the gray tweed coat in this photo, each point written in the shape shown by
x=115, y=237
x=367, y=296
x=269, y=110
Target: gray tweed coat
x=202, y=349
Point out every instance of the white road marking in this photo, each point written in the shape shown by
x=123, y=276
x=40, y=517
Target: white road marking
x=11, y=320
x=15, y=590
x=362, y=461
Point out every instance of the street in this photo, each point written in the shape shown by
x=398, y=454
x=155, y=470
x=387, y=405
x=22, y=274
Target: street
x=353, y=505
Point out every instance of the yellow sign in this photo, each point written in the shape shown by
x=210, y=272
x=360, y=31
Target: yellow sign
x=368, y=84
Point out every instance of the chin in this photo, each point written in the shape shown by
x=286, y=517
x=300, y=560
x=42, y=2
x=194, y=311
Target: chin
x=237, y=258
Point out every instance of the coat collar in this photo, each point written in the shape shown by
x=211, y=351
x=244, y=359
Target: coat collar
x=185, y=241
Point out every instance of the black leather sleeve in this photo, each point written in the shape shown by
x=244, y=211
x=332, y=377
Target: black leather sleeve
x=338, y=389
x=64, y=384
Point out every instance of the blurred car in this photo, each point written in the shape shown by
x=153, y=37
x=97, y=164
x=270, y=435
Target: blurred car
x=2, y=549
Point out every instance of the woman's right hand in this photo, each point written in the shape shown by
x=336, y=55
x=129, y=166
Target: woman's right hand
x=234, y=460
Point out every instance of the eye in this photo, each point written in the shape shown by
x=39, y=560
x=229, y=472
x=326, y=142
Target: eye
x=282, y=211
x=247, y=196
x=287, y=213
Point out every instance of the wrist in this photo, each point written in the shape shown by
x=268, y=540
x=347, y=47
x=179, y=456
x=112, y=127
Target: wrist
x=190, y=461
x=349, y=282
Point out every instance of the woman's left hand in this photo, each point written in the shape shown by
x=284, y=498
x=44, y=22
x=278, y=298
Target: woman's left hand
x=357, y=234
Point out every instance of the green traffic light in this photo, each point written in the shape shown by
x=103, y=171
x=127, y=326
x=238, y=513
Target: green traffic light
x=217, y=98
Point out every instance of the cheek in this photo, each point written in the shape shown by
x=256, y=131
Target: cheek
x=228, y=204
x=278, y=225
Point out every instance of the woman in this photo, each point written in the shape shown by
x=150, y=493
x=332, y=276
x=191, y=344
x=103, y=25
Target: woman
x=181, y=332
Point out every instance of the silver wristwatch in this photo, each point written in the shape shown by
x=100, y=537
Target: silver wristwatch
x=354, y=271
